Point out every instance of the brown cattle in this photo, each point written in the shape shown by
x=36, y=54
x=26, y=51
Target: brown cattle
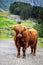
x=30, y=37
x=25, y=38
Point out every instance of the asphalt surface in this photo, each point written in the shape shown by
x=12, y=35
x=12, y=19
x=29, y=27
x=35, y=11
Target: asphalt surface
x=8, y=54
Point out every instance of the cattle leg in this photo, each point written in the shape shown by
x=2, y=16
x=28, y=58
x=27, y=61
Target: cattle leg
x=18, y=54
x=24, y=50
x=35, y=48
x=31, y=50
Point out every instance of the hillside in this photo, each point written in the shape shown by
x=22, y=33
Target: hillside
x=4, y=4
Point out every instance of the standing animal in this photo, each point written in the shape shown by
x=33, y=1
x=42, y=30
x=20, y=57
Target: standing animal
x=30, y=38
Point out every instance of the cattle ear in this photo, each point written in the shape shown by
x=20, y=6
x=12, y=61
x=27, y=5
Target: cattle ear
x=24, y=28
x=14, y=28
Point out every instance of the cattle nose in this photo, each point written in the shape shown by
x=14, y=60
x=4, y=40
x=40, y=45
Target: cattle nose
x=19, y=35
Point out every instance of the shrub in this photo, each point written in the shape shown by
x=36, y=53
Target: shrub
x=22, y=9
x=25, y=10
x=11, y=8
x=39, y=28
x=37, y=12
x=24, y=14
x=15, y=8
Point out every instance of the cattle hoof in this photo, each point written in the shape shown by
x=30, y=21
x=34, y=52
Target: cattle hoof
x=34, y=54
x=18, y=56
x=24, y=56
x=31, y=53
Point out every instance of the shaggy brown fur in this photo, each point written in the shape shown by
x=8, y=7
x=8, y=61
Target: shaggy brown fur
x=30, y=38
x=25, y=38
x=19, y=28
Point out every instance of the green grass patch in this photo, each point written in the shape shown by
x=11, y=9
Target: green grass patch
x=5, y=21
x=5, y=34
x=28, y=23
x=40, y=45
x=40, y=39
x=4, y=13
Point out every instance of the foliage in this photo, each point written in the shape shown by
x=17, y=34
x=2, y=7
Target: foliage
x=37, y=12
x=5, y=30
x=4, y=13
x=15, y=8
x=40, y=45
x=22, y=9
x=28, y=23
x=25, y=10
x=5, y=21
x=39, y=28
x=40, y=42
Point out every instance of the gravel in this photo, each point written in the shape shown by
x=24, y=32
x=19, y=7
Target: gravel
x=8, y=55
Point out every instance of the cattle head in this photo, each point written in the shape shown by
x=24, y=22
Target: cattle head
x=19, y=29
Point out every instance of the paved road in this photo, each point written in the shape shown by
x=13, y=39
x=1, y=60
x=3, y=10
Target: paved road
x=8, y=55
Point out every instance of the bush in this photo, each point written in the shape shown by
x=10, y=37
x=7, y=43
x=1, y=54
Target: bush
x=26, y=10
x=41, y=13
x=11, y=8
x=22, y=9
x=17, y=11
x=39, y=28
x=37, y=12
x=24, y=14
x=15, y=8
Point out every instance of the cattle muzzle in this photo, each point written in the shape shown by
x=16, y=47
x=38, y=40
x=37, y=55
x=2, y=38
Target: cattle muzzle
x=19, y=35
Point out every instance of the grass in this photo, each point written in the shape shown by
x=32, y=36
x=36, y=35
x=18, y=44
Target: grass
x=4, y=13
x=40, y=39
x=4, y=21
x=40, y=45
x=28, y=23
x=4, y=34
